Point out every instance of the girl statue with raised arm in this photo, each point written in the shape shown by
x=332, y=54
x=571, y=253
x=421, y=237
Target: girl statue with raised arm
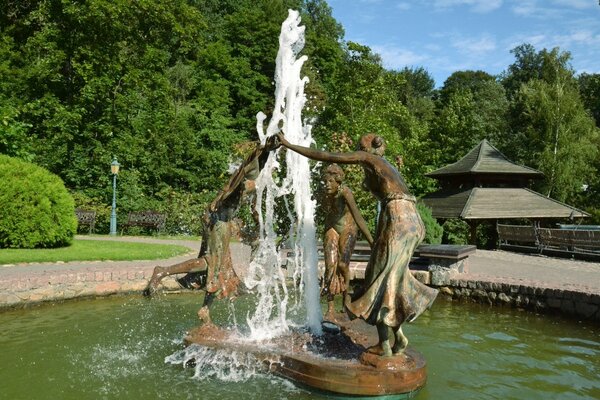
x=390, y=295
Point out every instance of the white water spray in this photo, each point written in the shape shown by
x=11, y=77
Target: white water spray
x=265, y=273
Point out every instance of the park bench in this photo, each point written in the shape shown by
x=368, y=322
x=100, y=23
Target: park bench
x=571, y=240
x=145, y=219
x=518, y=237
x=86, y=218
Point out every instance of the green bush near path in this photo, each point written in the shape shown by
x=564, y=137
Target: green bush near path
x=93, y=250
x=36, y=210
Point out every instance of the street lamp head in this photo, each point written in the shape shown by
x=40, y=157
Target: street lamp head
x=114, y=166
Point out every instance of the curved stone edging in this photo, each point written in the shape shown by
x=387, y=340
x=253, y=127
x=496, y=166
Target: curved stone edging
x=21, y=292
x=536, y=298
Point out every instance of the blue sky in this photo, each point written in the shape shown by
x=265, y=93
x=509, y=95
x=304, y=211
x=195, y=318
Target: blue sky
x=444, y=36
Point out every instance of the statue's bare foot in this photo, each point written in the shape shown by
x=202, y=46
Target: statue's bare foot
x=381, y=349
x=399, y=348
x=401, y=342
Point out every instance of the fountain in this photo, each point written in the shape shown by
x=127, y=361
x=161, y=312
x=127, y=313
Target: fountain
x=333, y=357
x=115, y=348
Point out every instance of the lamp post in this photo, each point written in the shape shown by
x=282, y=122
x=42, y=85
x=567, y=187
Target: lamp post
x=114, y=169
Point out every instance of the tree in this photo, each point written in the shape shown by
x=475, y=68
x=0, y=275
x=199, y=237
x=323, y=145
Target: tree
x=554, y=131
x=589, y=88
x=471, y=107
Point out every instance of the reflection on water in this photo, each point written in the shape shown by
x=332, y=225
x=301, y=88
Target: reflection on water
x=116, y=348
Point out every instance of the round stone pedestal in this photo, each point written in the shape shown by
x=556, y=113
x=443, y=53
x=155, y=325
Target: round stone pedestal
x=334, y=362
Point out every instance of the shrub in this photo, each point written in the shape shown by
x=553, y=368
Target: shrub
x=35, y=208
x=184, y=211
x=456, y=231
x=433, y=230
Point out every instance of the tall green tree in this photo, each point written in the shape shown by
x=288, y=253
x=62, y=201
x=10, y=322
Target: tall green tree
x=589, y=88
x=471, y=106
x=553, y=130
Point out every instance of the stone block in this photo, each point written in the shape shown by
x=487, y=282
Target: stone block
x=107, y=288
x=446, y=291
x=553, y=302
x=422, y=276
x=503, y=298
x=567, y=306
x=586, y=310
x=9, y=299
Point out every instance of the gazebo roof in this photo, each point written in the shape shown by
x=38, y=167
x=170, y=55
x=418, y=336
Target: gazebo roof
x=498, y=203
x=484, y=159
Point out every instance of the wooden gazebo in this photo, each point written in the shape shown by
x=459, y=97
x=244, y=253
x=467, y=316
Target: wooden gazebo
x=485, y=186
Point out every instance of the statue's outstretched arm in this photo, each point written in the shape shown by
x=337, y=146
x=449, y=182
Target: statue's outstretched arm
x=354, y=157
x=358, y=218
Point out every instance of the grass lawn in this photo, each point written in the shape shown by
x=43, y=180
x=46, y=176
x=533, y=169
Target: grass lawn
x=93, y=250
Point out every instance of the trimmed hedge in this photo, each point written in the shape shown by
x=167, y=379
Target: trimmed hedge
x=35, y=208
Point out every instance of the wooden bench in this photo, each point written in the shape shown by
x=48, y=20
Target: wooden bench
x=578, y=240
x=145, y=219
x=86, y=218
x=518, y=237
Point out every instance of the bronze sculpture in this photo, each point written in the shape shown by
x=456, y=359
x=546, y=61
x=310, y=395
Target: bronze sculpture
x=213, y=268
x=391, y=295
x=342, y=221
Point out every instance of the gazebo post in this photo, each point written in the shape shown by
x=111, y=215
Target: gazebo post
x=473, y=228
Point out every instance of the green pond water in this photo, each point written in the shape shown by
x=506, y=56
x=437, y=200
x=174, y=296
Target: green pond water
x=115, y=348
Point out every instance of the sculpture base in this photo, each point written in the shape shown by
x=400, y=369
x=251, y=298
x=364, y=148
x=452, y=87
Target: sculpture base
x=334, y=362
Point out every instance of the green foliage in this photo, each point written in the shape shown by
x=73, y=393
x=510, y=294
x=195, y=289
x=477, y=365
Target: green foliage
x=553, y=131
x=184, y=211
x=36, y=209
x=171, y=88
x=472, y=106
x=433, y=230
x=456, y=231
x=589, y=87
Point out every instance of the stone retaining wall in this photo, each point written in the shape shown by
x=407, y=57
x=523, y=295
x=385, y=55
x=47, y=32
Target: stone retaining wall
x=541, y=299
x=20, y=292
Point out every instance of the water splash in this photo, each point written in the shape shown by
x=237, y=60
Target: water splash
x=225, y=365
x=265, y=273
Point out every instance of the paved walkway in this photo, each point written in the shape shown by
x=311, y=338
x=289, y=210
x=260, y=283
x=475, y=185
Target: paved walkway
x=26, y=283
x=533, y=270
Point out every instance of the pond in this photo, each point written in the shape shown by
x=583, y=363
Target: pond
x=115, y=348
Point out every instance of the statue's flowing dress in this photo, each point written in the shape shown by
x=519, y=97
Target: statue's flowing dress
x=391, y=294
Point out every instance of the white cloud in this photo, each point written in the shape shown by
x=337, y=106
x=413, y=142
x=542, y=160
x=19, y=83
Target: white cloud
x=480, y=6
x=474, y=46
x=536, y=40
x=587, y=38
x=550, y=9
x=578, y=4
x=396, y=57
x=525, y=7
x=403, y=6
